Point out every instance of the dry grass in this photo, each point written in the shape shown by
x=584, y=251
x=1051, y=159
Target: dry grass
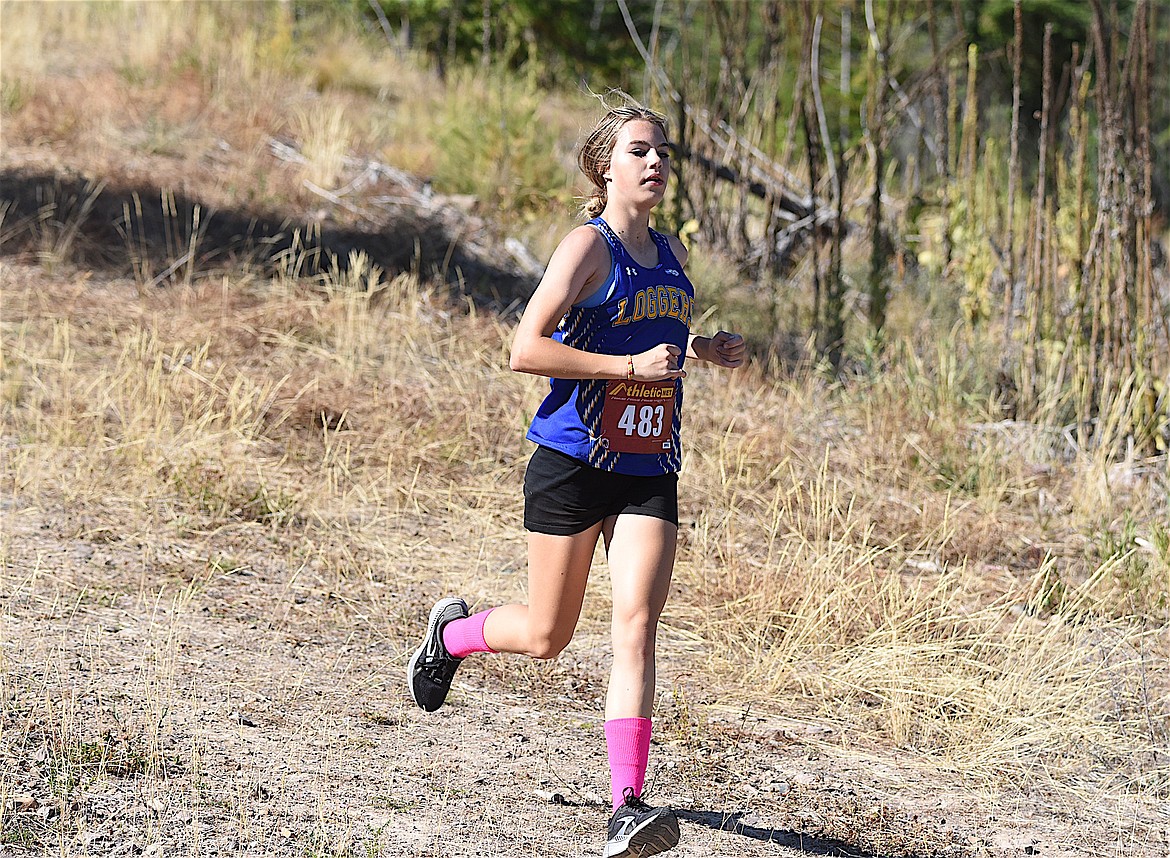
x=822, y=571
x=207, y=85
x=317, y=458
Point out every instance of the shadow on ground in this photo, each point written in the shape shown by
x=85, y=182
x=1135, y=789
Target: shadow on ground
x=733, y=823
x=158, y=236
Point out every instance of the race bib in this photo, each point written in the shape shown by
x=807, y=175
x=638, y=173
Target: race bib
x=637, y=416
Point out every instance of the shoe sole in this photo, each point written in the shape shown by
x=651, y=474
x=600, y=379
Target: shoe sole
x=657, y=834
x=432, y=623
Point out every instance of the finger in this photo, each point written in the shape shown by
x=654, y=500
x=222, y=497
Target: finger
x=673, y=350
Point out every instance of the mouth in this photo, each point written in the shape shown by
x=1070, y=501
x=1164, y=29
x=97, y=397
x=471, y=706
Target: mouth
x=655, y=180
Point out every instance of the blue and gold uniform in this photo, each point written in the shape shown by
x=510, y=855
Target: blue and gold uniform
x=635, y=310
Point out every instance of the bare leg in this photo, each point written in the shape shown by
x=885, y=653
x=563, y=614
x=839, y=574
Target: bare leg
x=641, y=558
x=558, y=569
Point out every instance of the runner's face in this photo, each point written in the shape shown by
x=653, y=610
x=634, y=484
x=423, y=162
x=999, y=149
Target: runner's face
x=640, y=163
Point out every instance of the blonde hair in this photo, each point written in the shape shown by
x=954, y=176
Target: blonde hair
x=597, y=150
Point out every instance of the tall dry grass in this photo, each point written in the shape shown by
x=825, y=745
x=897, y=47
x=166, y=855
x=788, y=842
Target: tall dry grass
x=213, y=84
x=823, y=563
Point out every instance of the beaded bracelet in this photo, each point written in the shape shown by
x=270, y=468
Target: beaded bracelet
x=630, y=367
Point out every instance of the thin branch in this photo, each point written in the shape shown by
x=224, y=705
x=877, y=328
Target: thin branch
x=769, y=176
x=904, y=101
x=386, y=28
x=822, y=122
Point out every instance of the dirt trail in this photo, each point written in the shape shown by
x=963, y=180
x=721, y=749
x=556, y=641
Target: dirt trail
x=251, y=712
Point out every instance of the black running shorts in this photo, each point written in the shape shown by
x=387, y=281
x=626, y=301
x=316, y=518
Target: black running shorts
x=563, y=495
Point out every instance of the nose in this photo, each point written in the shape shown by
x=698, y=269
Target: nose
x=653, y=158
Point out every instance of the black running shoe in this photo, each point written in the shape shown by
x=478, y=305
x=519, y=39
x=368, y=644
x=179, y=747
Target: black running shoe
x=432, y=668
x=637, y=830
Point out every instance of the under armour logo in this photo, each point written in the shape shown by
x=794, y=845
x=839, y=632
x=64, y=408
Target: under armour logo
x=630, y=271
x=672, y=271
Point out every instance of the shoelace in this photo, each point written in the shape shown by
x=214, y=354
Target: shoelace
x=633, y=801
x=436, y=666
x=437, y=663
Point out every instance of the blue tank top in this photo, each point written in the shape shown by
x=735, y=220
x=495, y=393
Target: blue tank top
x=641, y=308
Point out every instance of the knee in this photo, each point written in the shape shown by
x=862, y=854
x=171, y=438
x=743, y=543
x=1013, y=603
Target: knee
x=635, y=621
x=634, y=632
x=547, y=645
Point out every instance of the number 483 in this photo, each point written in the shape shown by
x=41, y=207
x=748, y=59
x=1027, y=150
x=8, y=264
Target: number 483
x=645, y=422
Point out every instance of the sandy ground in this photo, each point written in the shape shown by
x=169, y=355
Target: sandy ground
x=150, y=710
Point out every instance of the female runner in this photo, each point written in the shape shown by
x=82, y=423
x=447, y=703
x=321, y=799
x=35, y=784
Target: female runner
x=609, y=324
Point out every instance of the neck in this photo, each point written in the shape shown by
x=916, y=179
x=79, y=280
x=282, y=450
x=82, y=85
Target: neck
x=633, y=226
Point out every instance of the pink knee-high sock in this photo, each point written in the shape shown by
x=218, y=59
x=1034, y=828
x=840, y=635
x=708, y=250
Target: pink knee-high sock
x=463, y=637
x=628, y=743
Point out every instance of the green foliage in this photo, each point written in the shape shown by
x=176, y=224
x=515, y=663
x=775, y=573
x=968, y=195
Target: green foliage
x=494, y=144
x=71, y=763
x=968, y=466
x=1139, y=556
x=559, y=40
x=25, y=831
x=14, y=94
x=993, y=28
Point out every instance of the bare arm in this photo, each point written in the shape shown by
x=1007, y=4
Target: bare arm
x=579, y=262
x=723, y=349
x=697, y=344
x=579, y=265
